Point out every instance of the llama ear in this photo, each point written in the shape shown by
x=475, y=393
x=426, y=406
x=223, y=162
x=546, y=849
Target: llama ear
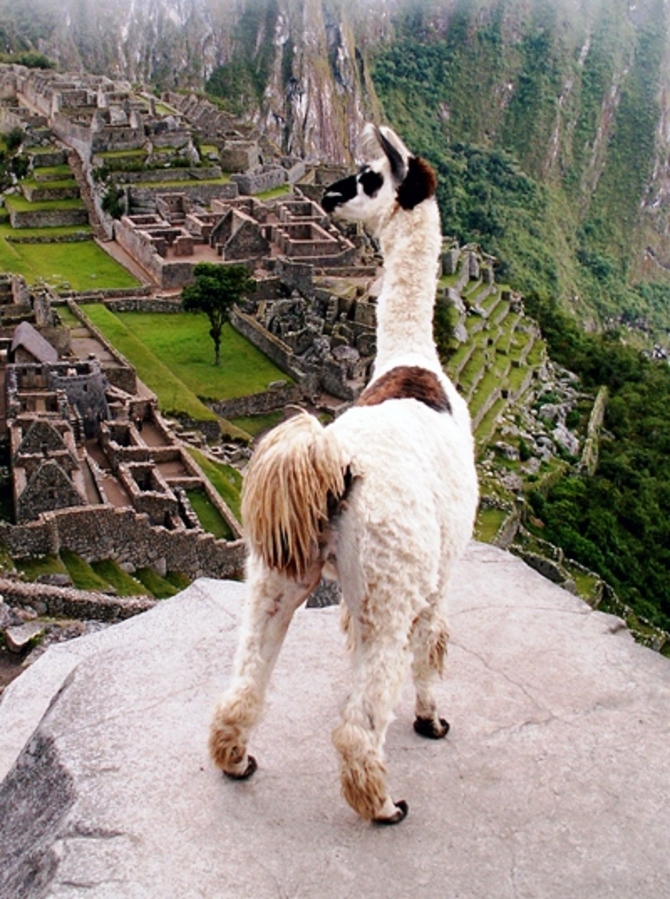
x=393, y=154
x=419, y=184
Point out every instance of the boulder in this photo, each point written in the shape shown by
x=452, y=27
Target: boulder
x=552, y=782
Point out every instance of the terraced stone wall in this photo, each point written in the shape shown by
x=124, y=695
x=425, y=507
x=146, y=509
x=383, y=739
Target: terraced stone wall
x=104, y=532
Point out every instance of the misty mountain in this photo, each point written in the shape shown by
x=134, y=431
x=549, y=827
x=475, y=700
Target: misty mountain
x=548, y=119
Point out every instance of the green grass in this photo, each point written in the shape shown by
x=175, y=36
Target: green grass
x=209, y=516
x=488, y=523
x=486, y=425
x=173, y=395
x=154, y=584
x=116, y=577
x=6, y=230
x=82, y=575
x=225, y=479
x=182, y=343
x=54, y=171
x=178, y=579
x=82, y=265
x=149, y=185
x=39, y=565
x=275, y=192
x=49, y=184
x=20, y=204
x=67, y=317
x=256, y=424
x=121, y=154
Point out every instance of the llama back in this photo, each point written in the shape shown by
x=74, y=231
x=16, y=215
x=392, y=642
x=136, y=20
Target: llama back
x=296, y=471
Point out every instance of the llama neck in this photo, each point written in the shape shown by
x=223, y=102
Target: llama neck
x=411, y=242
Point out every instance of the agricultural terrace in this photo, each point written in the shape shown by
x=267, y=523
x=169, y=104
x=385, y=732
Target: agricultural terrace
x=79, y=266
x=173, y=354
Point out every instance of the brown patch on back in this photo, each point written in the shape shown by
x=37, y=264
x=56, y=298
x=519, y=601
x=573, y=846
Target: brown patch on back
x=419, y=183
x=407, y=382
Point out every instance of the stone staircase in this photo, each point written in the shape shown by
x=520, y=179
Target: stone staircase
x=75, y=163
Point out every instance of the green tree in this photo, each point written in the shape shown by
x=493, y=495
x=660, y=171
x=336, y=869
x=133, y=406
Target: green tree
x=215, y=291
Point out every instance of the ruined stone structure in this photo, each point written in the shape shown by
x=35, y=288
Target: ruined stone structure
x=95, y=470
x=168, y=243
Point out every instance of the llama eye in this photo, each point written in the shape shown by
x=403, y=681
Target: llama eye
x=371, y=182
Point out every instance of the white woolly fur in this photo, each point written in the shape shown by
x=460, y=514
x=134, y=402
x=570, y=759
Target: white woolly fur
x=405, y=518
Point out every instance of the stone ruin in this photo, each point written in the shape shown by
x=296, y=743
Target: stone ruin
x=168, y=243
x=77, y=442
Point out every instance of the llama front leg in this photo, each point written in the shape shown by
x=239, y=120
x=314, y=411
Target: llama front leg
x=429, y=647
x=380, y=663
x=271, y=602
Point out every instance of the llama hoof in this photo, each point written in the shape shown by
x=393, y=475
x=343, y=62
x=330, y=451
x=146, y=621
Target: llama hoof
x=399, y=815
x=426, y=727
x=246, y=774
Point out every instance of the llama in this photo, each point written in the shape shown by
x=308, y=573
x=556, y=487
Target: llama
x=383, y=499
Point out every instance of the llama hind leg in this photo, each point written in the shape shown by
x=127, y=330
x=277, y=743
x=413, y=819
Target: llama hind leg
x=429, y=646
x=379, y=669
x=271, y=602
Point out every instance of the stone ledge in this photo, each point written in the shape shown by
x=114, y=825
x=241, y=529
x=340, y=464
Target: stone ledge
x=552, y=782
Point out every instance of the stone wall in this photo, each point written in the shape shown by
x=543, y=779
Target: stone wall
x=274, y=348
x=120, y=373
x=257, y=182
x=258, y=403
x=66, y=602
x=103, y=532
x=145, y=304
x=52, y=218
x=174, y=174
x=40, y=194
x=144, y=197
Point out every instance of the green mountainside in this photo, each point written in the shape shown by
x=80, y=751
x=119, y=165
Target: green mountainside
x=543, y=121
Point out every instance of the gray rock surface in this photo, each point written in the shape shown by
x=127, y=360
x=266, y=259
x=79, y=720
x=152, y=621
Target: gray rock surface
x=553, y=782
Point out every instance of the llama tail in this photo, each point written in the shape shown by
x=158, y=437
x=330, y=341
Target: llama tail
x=291, y=483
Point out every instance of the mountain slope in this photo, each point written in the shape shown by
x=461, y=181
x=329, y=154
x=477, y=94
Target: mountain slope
x=563, y=100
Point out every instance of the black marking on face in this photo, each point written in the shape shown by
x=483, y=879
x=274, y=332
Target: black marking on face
x=340, y=193
x=371, y=182
x=419, y=184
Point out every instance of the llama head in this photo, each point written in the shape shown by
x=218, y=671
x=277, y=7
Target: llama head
x=395, y=178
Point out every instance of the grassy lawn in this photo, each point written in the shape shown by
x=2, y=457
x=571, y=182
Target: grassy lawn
x=82, y=265
x=178, y=579
x=209, y=515
x=53, y=172
x=122, y=154
x=56, y=181
x=174, y=396
x=224, y=179
x=181, y=342
x=227, y=481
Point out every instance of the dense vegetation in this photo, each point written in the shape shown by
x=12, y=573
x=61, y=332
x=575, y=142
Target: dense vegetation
x=537, y=161
x=618, y=521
